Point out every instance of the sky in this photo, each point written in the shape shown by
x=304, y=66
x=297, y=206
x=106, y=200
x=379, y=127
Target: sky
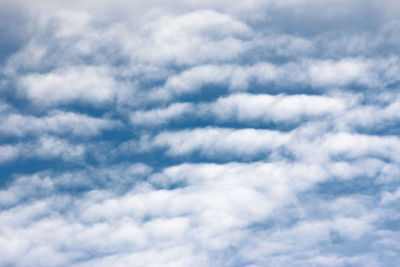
x=199, y=133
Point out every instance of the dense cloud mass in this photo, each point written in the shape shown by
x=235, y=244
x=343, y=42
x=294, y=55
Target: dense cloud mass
x=200, y=133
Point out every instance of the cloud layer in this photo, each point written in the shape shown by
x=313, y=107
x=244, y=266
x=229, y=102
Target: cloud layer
x=199, y=133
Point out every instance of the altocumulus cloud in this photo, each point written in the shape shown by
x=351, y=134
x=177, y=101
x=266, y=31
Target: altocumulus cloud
x=199, y=133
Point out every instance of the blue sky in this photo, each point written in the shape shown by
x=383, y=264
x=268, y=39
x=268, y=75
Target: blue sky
x=199, y=133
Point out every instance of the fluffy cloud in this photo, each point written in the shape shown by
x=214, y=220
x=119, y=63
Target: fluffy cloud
x=57, y=122
x=161, y=115
x=209, y=207
x=87, y=84
x=217, y=142
x=45, y=147
x=278, y=108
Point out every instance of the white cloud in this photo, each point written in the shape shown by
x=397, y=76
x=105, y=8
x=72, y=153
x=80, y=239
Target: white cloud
x=278, y=108
x=252, y=108
x=8, y=152
x=46, y=147
x=49, y=147
x=193, y=79
x=212, y=209
x=162, y=115
x=200, y=213
x=317, y=74
x=216, y=142
x=56, y=122
x=356, y=145
x=192, y=38
x=86, y=84
x=304, y=143
x=345, y=71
